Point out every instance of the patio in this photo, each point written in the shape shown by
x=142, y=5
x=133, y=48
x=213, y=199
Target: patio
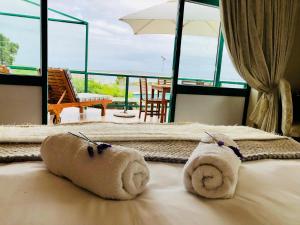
x=120, y=82
x=72, y=115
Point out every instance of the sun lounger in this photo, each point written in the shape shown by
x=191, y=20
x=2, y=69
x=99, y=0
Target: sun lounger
x=4, y=69
x=62, y=94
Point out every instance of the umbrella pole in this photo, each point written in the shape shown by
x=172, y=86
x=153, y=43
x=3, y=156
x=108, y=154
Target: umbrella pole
x=125, y=113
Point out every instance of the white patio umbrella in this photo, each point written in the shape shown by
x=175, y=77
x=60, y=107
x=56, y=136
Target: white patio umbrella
x=199, y=20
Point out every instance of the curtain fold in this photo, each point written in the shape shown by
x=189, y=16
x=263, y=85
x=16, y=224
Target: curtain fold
x=259, y=36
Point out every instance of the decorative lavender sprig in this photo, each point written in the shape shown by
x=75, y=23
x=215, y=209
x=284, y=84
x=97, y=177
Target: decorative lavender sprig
x=90, y=151
x=220, y=143
x=100, y=147
x=237, y=152
x=86, y=138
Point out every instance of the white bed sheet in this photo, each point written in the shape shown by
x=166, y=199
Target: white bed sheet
x=268, y=193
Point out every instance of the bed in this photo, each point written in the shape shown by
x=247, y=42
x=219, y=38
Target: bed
x=268, y=190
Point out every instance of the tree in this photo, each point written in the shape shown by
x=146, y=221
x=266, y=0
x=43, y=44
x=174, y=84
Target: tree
x=8, y=50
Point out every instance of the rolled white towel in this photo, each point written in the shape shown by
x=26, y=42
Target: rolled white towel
x=212, y=170
x=117, y=173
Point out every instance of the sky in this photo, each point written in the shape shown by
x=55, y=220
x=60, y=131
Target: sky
x=112, y=44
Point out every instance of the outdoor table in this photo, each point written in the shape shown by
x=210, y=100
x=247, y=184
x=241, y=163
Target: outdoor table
x=163, y=88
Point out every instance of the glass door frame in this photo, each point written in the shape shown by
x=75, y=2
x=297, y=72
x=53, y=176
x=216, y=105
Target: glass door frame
x=39, y=81
x=44, y=59
x=216, y=89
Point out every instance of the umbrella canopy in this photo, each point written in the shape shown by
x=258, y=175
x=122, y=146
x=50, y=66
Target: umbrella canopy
x=199, y=19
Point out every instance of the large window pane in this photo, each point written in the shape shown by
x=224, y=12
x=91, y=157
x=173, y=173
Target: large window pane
x=228, y=72
x=66, y=45
x=199, y=44
x=20, y=7
x=114, y=48
x=20, y=37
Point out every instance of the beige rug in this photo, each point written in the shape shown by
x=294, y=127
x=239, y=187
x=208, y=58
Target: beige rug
x=125, y=132
x=169, y=151
x=157, y=142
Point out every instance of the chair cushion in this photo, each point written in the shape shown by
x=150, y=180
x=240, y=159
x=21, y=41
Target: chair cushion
x=86, y=97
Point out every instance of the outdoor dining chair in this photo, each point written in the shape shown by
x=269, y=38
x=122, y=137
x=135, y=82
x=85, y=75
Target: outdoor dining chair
x=148, y=101
x=163, y=82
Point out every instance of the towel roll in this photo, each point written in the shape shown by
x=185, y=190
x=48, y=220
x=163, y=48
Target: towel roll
x=118, y=173
x=212, y=170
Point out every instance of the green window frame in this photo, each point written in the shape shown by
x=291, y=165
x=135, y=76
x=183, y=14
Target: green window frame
x=69, y=19
x=217, y=88
x=217, y=82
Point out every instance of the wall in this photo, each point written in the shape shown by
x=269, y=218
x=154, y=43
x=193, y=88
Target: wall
x=209, y=109
x=20, y=104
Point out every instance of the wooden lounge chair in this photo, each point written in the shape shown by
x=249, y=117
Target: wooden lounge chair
x=62, y=94
x=4, y=69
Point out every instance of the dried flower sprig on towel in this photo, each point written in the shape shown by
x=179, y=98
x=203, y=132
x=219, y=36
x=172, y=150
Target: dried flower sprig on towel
x=221, y=143
x=100, y=147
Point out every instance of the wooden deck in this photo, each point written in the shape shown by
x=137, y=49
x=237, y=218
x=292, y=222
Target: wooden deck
x=72, y=115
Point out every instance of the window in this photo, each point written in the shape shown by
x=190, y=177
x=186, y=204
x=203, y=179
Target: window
x=20, y=36
x=23, y=31
x=114, y=48
x=67, y=36
x=204, y=60
x=229, y=76
x=199, y=44
x=66, y=44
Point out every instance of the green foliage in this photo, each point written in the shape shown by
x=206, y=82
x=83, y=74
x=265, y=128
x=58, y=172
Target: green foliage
x=98, y=88
x=8, y=50
x=120, y=80
x=25, y=72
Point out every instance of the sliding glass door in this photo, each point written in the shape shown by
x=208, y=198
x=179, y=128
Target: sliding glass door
x=23, y=61
x=202, y=67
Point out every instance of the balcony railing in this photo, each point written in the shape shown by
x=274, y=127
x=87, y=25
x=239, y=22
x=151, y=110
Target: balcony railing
x=35, y=71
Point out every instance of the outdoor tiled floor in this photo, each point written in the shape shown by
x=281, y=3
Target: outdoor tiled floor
x=71, y=115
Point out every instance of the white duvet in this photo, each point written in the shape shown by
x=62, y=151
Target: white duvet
x=267, y=193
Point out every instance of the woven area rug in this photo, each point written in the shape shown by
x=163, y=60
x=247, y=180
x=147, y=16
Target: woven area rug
x=168, y=151
x=109, y=132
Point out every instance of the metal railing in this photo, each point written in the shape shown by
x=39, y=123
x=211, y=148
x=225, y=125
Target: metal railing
x=127, y=79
